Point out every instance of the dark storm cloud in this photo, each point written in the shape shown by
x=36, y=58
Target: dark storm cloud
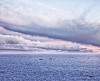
x=73, y=31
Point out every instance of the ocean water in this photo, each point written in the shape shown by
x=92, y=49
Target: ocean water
x=50, y=67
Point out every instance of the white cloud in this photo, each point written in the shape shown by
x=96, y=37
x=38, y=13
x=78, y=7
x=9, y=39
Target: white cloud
x=20, y=43
x=27, y=11
x=8, y=39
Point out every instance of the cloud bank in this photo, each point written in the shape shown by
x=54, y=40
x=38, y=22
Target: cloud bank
x=39, y=19
x=73, y=31
x=10, y=42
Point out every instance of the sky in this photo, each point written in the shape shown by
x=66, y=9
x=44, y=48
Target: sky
x=55, y=25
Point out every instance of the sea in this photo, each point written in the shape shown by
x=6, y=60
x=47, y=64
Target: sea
x=50, y=67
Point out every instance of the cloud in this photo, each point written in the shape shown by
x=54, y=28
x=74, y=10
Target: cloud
x=35, y=18
x=16, y=41
x=24, y=12
x=9, y=42
x=8, y=39
x=74, y=31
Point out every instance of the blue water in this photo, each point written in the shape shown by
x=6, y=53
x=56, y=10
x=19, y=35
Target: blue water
x=50, y=67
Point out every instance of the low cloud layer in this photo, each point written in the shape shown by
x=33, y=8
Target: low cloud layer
x=73, y=31
x=34, y=18
x=9, y=42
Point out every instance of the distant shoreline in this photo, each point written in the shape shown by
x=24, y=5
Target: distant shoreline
x=44, y=52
